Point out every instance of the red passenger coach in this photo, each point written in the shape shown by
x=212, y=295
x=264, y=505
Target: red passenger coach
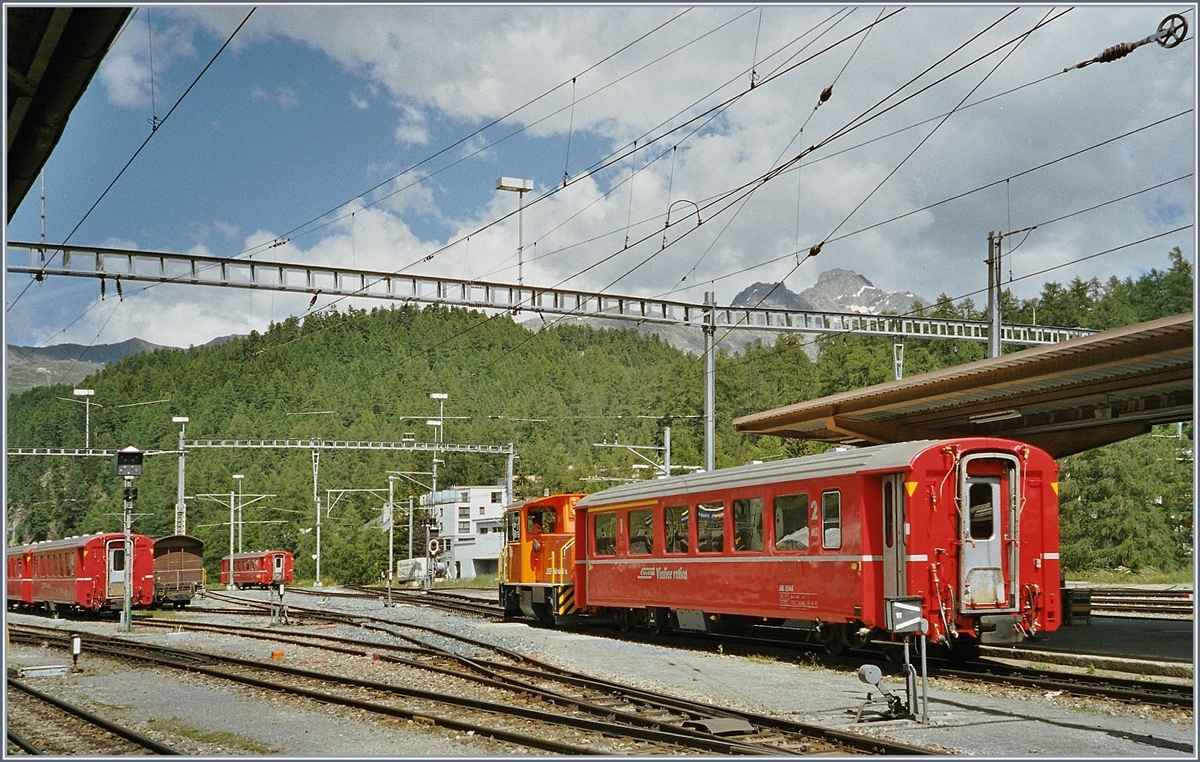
x=263, y=568
x=845, y=547
x=81, y=573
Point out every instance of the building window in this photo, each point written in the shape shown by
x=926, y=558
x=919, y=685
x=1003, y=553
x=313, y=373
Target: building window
x=497, y=497
x=464, y=512
x=482, y=511
x=483, y=530
x=464, y=526
x=464, y=497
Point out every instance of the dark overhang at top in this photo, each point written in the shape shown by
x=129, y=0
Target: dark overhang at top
x=52, y=55
x=1064, y=398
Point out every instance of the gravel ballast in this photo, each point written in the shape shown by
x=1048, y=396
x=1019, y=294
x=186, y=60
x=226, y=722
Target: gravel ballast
x=962, y=718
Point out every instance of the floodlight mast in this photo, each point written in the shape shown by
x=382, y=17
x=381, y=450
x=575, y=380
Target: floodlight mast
x=520, y=187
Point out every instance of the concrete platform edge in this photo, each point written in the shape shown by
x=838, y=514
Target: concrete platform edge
x=1115, y=664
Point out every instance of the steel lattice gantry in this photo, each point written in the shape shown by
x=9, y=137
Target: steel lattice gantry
x=192, y=270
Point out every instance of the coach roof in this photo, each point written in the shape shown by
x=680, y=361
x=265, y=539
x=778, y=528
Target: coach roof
x=808, y=467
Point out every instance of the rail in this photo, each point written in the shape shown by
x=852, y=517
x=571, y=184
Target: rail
x=1131, y=602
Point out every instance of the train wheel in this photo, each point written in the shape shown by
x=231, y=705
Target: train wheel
x=833, y=637
x=657, y=621
x=622, y=619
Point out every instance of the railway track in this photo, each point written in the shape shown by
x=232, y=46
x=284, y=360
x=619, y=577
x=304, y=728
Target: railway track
x=39, y=723
x=1125, y=690
x=519, y=708
x=1130, y=602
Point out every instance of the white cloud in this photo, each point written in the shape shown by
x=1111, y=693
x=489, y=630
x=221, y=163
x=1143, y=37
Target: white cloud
x=285, y=96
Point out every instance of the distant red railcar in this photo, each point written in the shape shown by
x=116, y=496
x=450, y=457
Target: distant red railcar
x=86, y=573
x=851, y=546
x=263, y=568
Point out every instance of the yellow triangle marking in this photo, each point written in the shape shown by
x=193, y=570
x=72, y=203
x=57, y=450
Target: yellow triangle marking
x=910, y=488
x=1054, y=486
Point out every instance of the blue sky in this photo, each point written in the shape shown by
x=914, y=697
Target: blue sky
x=310, y=107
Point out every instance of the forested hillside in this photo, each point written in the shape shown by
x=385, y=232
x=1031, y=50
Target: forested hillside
x=553, y=394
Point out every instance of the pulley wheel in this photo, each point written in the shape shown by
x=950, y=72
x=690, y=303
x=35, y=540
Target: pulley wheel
x=1175, y=27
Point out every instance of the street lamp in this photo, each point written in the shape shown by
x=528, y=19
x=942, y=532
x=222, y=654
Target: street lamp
x=520, y=187
x=180, y=508
x=87, y=421
x=232, y=509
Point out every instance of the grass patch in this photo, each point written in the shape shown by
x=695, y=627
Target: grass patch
x=1123, y=576
x=175, y=726
x=482, y=582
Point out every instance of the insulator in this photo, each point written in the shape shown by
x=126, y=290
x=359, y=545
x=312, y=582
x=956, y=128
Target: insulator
x=814, y=251
x=102, y=289
x=119, y=295
x=1115, y=52
x=826, y=94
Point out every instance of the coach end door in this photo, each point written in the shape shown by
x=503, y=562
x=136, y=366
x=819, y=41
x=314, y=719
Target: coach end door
x=988, y=533
x=116, y=568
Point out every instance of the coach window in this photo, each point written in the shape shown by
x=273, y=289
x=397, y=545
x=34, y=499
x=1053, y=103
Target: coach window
x=604, y=529
x=831, y=520
x=791, y=522
x=748, y=524
x=710, y=527
x=641, y=532
x=675, y=519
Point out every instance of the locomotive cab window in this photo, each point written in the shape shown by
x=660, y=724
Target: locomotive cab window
x=710, y=527
x=981, y=511
x=512, y=526
x=675, y=521
x=641, y=532
x=541, y=522
x=118, y=559
x=831, y=520
x=604, y=532
x=748, y=524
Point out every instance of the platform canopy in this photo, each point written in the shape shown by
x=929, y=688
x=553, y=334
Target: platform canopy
x=1065, y=398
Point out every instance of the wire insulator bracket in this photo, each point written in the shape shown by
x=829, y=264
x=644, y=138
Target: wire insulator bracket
x=1171, y=31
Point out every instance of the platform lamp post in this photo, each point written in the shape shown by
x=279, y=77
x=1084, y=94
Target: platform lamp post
x=437, y=439
x=232, y=511
x=520, y=187
x=128, y=465
x=87, y=395
x=180, y=508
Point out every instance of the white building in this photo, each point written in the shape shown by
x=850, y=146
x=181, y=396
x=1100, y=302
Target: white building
x=471, y=521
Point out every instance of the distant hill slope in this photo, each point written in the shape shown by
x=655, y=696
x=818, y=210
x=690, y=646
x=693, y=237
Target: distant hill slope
x=27, y=367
